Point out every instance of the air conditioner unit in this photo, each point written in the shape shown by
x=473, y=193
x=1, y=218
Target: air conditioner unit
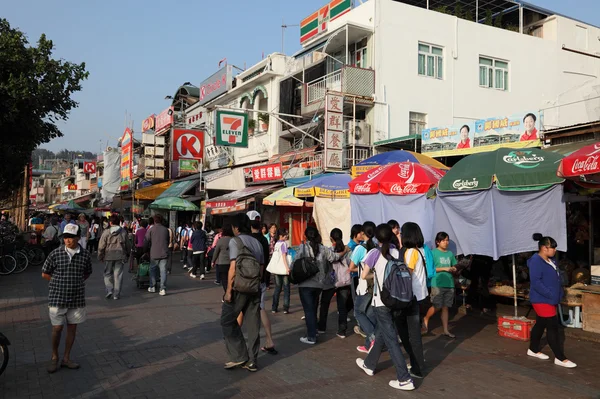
x=159, y=174
x=160, y=141
x=149, y=173
x=149, y=151
x=362, y=133
x=159, y=163
x=159, y=151
x=148, y=139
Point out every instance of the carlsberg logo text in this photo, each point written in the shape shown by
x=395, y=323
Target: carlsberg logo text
x=465, y=184
x=523, y=159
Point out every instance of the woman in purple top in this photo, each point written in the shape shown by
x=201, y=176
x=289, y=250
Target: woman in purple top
x=139, y=240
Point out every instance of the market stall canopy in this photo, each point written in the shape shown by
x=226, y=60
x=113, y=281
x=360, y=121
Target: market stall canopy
x=511, y=169
x=284, y=197
x=404, y=178
x=152, y=192
x=174, y=204
x=178, y=188
x=331, y=186
x=237, y=201
x=69, y=206
x=582, y=165
x=385, y=158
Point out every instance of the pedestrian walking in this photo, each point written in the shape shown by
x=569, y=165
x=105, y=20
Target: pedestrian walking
x=157, y=243
x=272, y=238
x=139, y=237
x=221, y=258
x=114, y=249
x=243, y=294
x=66, y=268
x=545, y=294
x=386, y=334
x=311, y=289
x=51, y=237
x=67, y=220
x=210, y=238
x=84, y=228
x=198, y=242
x=363, y=311
x=442, y=284
x=281, y=270
x=94, y=239
x=342, y=281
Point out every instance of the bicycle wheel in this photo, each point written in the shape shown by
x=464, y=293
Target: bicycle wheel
x=22, y=261
x=8, y=264
x=38, y=257
x=5, y=355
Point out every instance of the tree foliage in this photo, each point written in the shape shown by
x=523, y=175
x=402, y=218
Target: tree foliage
x=62, y=154
x=35, y=94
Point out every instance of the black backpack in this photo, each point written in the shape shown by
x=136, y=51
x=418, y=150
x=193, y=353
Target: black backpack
x=396, y=292
x=303, y=268
x=248, y=272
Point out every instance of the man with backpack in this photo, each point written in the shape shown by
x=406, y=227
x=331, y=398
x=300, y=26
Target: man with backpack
x=51, y=237
x=114, y=249
x=243, y=296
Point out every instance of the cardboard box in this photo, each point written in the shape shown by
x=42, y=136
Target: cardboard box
x=595, y=274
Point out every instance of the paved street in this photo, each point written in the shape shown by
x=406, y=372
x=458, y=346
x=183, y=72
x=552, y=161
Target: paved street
x=147, y=346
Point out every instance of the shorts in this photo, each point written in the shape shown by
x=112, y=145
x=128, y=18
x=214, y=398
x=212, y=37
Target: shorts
x=60, y=316
x=442, y=297
x=263, y=290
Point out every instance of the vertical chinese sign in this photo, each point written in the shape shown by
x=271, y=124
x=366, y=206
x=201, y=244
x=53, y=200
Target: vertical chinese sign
x=334, y=131
x=126, y=159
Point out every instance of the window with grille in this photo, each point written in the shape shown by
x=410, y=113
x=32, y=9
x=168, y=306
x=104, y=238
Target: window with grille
x=431, y=61
x=493, y=74
x=418, y=122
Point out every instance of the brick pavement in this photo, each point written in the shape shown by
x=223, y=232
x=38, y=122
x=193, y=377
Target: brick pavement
x=147, y=346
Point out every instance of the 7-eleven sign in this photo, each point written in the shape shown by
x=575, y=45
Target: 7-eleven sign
x=232, y=129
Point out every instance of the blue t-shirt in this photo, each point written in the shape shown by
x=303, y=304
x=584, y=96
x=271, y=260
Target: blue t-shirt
x=352, y=244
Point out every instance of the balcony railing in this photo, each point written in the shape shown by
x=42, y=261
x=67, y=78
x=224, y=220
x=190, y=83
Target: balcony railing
x=352, y=157
x=349, y=80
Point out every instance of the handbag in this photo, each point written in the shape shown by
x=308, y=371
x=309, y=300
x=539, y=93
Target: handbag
x=303, y=268
x=276, y=265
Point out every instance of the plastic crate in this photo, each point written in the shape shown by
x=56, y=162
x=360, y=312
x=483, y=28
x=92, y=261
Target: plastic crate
x=518, y=328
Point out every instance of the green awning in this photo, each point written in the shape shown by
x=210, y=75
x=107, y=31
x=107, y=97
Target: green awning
x=568, y=149
x=178, y=189
x=396, y=140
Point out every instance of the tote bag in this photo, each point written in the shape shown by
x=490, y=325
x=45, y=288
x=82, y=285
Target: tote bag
x=276, y=265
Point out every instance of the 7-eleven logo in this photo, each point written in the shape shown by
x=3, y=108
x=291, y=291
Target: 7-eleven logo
x=232, y=128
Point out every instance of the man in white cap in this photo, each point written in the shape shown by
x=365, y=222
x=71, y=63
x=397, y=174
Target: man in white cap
x=253, y=215
x=66, y=268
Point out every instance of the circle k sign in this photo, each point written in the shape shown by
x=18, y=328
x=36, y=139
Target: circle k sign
x=188, y=144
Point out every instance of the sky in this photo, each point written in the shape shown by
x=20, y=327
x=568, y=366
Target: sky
x=138, y=52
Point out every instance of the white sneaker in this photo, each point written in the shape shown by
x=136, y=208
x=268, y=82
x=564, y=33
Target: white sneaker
x=539, y=355
x=306, y=340
x=202, y=277
x=361, y=363
x=403, y=386
x=303, y=318
x=567, y=363
x=162, y=292
x=151, y=289
x=193, y=275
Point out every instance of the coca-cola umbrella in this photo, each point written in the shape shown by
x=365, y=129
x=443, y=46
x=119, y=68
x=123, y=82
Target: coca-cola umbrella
x=386, y=158
x=403, y=178
x=582, y=165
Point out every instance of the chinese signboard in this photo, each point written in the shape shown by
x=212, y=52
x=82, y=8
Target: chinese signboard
x=263, y=173
x=221, y=204
x=89, y=167
x=219, y=83
x=334, y=131
x=232, y=129
x=148, y=123
x=126, y=159
x=318, y=21
x=163, y=121
x=196, y=117
x=187, y=166
x=187, y=144
x=517, y=131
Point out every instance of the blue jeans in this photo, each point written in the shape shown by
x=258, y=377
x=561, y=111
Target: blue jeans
x=162, y=265
x=366, y=319
x=310, y=300
x=279, y=282
x=386, y=336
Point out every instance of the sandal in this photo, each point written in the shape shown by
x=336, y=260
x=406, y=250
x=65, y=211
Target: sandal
x=449, y=335
x=424, y=329
x=270, y=351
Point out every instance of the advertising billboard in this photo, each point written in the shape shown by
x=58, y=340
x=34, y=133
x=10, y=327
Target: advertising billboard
x=232, y=129
x=516, y=131
x=126, y=159
x=219, y=83
x=317, y=22
x=187, y=144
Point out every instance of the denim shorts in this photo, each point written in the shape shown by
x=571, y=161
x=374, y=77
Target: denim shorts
x=60, y=316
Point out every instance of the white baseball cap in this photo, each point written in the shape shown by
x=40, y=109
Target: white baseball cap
x=71, y=230
x=252, y=215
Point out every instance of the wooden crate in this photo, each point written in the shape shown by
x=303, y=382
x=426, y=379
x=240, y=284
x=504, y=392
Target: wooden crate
x=591, y=312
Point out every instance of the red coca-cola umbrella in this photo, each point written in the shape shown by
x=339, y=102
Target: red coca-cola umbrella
x=403, y=178
x=583, y=164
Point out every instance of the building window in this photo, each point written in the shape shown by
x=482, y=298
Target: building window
x=418, y=122
x=431, y=61
x=493, y=74
x=360, y=58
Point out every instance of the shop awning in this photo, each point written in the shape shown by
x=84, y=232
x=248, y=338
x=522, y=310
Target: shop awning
x=152, y=192
x=178, y=188
x=284, y=197
x=295, y=155
x=232, y=199
x=568, y=149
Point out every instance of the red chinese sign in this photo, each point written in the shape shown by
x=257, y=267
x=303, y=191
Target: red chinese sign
x=164, y=120
x=188, y=144
x=220, y=204
x=263, y=173
x=89, y=167
x=334, y=135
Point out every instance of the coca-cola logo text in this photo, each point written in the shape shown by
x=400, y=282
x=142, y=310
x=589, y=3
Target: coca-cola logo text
x=587, y=165
x=404, y=189
x=405, y=168
x=465, y=184
x=362, y=188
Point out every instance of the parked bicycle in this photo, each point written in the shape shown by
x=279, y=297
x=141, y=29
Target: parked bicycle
x=4, y=355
